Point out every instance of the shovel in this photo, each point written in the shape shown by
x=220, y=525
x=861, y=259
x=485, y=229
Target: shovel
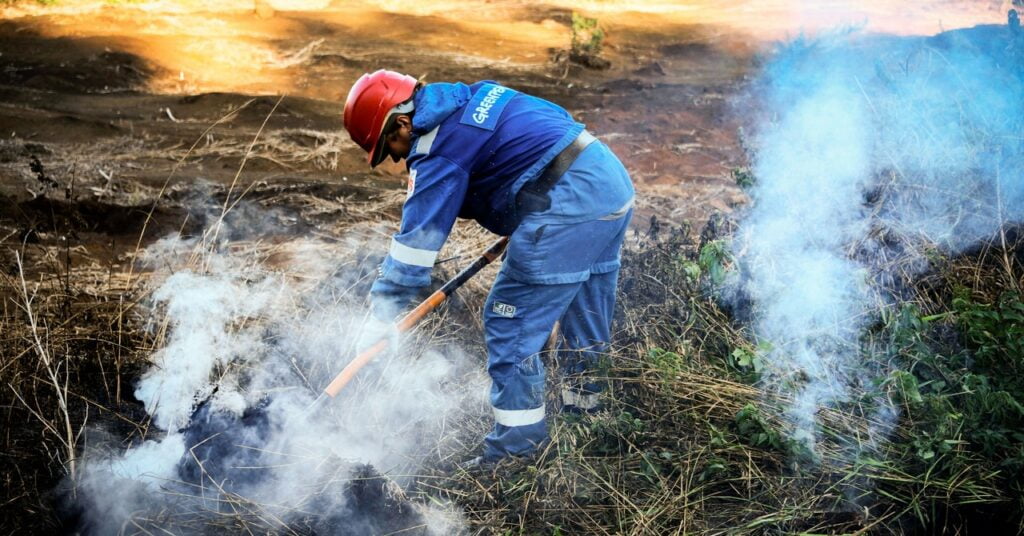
x=409, y=321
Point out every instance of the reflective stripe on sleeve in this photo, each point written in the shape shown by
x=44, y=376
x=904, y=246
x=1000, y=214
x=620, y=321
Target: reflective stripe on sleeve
x=580, y=400
x=415, y=257
x=518, y=417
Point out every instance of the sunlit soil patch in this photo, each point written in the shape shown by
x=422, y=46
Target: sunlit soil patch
x=253, y=47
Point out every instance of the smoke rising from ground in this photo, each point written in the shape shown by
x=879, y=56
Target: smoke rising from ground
x=245, y=339
x=857, y=140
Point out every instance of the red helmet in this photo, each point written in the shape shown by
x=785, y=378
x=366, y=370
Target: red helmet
x=367, y=107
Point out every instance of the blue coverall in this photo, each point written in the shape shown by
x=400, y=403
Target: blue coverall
x=473, y=148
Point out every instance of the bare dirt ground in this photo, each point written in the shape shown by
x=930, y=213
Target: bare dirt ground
x=109, y=101
x=108, y=107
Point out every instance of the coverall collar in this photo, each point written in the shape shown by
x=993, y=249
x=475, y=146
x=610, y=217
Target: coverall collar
x=435, y=102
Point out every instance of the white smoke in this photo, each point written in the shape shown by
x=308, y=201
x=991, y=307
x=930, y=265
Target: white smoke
x=933, y=127
x=260, y=329
x=199, y=313
x=152, y=462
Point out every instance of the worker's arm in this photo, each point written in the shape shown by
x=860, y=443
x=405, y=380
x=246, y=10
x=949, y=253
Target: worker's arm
x=436, y=190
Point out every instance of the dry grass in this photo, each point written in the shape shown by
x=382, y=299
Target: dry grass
x=667, y=456
x=677, y=449
x=674, y=452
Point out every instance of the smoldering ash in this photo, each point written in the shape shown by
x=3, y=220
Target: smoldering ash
x=241, y=352
x=851, y=136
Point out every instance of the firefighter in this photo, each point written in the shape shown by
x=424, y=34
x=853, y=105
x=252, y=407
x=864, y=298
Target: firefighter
x=521, y=167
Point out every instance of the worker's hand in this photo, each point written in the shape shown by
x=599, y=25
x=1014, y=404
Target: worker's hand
x=373, y=330
x=385, y=309
x=388, y=299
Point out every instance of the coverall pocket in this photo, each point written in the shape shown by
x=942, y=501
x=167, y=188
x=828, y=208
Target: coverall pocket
x=522, y=387
x=531, y=375
x=559, y=253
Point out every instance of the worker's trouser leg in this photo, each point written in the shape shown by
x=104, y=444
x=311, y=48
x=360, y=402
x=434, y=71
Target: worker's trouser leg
x=586, y=332
x=547, y=268
x=517, y=373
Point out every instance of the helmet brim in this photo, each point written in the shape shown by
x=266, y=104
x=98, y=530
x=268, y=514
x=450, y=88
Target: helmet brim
x=378, y=154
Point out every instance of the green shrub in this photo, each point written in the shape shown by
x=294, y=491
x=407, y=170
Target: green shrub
x=587, y=36
x=755, y=430
x=744, y=177
x=715, y=260
x=587, y=42
x=961, y=390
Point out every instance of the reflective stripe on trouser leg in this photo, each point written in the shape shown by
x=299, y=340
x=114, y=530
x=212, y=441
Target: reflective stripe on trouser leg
x=585, y=401
x=517, y=319
x=519, y=417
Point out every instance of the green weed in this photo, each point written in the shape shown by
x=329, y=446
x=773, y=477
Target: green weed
x=961, y=389
x=587, y=36
x=744, y=177
x=715, y=260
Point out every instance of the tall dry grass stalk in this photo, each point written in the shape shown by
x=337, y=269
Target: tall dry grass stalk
x=59, y=425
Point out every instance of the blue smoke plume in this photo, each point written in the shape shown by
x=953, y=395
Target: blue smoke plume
x=851, y=134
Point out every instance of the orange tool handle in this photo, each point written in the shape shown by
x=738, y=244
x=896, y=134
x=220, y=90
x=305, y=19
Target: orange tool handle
x=413, y=317
x=407, y=322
